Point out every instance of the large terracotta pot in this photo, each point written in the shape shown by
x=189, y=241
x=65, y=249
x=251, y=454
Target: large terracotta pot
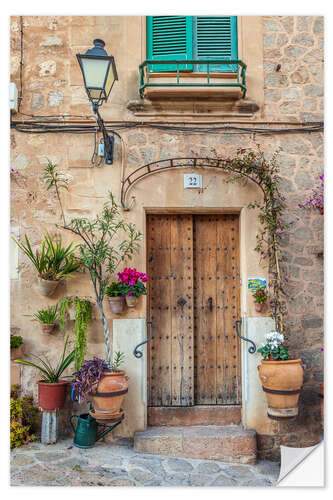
x=51, y=396
x=110, y=393
x=131, y=301
x=282, y=382
x=47, y=287
x=116, y=304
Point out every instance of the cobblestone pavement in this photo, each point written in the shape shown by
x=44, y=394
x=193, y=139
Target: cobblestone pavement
x=118, y=464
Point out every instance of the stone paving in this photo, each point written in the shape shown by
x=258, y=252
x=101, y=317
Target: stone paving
x=119, y=464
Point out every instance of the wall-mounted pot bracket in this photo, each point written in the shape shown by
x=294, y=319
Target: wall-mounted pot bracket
x=252, y=349
x=138, y=354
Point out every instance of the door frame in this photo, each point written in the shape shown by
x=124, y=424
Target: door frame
x=240, y=212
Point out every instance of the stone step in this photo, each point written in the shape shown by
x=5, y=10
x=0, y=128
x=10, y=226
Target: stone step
x=177, y=416
x=229, y=443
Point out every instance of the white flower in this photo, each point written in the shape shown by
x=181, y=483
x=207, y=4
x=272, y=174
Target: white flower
x=274, y=338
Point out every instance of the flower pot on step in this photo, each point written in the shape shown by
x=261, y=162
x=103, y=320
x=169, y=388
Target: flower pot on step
x=47, y=327
x=282, y=382
x=131, y=301
x=111, y=390
x=47, y=287
x=258, y=307
x=51, y=396
x=116, y=304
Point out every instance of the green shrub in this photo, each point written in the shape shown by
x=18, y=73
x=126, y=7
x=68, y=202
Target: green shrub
x=15, y=341
x=23, y=417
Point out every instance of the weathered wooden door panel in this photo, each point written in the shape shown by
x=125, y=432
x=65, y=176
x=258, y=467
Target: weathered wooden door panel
x=205, y=309
x=228, y=311
x=193, y=302
x=170, y=266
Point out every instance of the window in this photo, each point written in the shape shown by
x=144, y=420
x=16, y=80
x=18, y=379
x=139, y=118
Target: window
x=192, y=38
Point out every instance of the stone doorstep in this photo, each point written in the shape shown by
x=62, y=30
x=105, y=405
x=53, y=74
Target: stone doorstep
x=178, y=416
x=231, y=444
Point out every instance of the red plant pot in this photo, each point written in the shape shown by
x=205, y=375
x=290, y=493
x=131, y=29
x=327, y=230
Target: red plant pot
x=51, y=396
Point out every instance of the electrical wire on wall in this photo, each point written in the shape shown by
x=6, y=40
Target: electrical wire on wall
x=66, y=123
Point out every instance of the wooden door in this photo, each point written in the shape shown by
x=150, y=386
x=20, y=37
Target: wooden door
x=193, y=302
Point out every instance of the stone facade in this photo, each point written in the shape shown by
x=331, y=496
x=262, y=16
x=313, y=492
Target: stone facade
x=292, y=85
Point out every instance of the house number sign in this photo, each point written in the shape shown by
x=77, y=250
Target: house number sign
x=192, y=181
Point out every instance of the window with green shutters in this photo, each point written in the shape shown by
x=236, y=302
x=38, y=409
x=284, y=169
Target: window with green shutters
x=192, y=37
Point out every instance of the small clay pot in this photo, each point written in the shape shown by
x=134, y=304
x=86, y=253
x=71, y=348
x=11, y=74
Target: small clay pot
x=47, y=327
x=131, y=301
x=47, y=287
x=258, y=307
x=116, y=304
x=16, y=352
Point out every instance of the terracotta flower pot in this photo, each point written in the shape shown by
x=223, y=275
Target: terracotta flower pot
x=52, y=396
x=47, y=287
x=258, y=307
x=282, y=382
x=110, y=393
x=116, y=304
x=131, y=301
x=16, y=352
x=47, y=327
x=322, y=402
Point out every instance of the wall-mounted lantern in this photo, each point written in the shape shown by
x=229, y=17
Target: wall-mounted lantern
x=99, y=74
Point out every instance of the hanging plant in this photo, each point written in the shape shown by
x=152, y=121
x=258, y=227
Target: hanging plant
x=82, y=317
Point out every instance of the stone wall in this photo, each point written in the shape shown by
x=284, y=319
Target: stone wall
x=293, y=87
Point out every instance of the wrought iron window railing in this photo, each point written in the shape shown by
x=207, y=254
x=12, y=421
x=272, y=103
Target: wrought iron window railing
x=214, y=71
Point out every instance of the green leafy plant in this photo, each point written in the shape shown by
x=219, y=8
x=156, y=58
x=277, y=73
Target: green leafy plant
x=260, y=295
x=82, y=317
x=52, y=261
x=118, y=360
x=54, y=179
x=99, y=253
x=15, y=341
x=49, y=373
x=114, y=290
x=23, y=417
x=274, y=347
x=47, y=316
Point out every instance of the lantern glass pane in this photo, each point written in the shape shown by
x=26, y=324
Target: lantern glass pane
x=109, y=81
x=94, y=71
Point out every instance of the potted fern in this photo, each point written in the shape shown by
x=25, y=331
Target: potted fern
x=51, y=388
x=47, y=318
x=53, y=261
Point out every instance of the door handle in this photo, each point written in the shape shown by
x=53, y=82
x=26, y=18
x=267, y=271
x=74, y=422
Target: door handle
x=138, y=354
x=252, y=349
x=210, y=304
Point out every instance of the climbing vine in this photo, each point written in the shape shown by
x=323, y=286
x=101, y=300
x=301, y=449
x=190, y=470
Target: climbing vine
x=263, y=170
x=82, y=317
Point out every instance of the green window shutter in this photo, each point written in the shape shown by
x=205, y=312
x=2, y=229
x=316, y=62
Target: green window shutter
x=169, y=38
x=215, y=37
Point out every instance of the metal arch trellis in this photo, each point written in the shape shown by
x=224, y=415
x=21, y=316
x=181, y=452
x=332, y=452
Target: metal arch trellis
x=164, y=165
